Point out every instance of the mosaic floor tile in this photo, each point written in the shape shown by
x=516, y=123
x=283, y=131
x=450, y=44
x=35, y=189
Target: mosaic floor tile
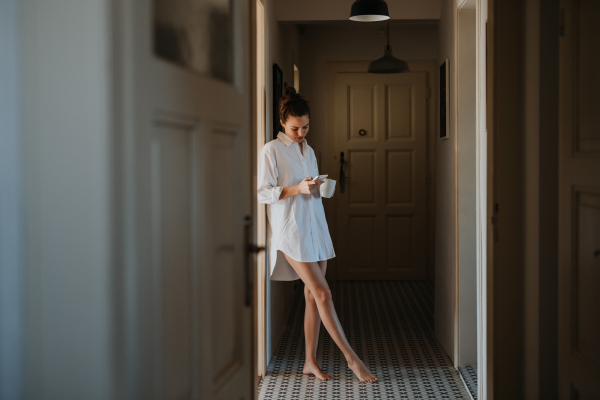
x=469, y=374
x=389, y=325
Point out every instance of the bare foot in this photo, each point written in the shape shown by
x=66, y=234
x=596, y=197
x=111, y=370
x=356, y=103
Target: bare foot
x=311, y=367
x=361, y=371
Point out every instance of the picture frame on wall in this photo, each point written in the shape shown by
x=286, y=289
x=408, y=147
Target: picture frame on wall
x=444, y=99
x=277, y=94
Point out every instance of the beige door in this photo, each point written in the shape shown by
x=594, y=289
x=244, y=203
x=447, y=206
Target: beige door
x=381, y=215
x=186, y=92
x=579, y=203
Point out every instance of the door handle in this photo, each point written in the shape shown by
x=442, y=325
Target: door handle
x=250, y=249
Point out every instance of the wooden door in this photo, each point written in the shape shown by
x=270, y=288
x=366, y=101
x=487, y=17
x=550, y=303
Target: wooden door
x=579, y=203
x=381, y=215
x=186, y=91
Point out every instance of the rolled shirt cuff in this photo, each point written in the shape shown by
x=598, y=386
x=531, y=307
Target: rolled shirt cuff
x=276, y=192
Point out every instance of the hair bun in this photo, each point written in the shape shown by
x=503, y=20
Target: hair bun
x=292, y=104
x=290, y=91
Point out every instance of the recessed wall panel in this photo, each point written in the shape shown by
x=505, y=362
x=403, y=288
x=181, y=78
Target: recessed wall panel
x=587, y=79
x=399, y=244
x=361, y=108
x=362, y=236
x=399, y=174
x=361, y=172
x=222, y=179
x=586, y=293
x=398, y=112
x=172, y=231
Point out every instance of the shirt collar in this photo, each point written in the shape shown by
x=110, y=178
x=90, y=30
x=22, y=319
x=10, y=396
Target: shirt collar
x=287, y=141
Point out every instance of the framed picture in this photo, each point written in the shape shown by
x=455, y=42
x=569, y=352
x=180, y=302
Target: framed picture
x=277, y=94
x=444, y=100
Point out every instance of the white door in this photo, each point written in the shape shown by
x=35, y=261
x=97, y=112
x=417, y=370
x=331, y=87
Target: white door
x=185, y=93
x=381, y=203
x=579, y=203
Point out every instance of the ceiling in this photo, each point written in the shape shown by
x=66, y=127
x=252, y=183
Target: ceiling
x=315, y=11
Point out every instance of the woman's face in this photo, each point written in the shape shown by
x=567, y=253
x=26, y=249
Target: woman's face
x=296, y=128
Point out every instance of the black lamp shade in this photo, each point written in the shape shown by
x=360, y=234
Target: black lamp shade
x=388, y=64
x=369, y=11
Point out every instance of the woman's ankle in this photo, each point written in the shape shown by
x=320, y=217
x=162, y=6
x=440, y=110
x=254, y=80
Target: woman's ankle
x=352, y=359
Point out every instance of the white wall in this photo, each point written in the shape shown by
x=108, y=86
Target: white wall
x=12, y=274
x=446, y=192
x=339, y=10
x=68, y=177
x=282, y=48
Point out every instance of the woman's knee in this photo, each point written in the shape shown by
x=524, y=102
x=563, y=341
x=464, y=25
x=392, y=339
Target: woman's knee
x=308, y=295
x=322, y=294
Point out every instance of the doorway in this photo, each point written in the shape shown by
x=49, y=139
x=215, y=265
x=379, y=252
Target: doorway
x=423, y=169
x=381, y=145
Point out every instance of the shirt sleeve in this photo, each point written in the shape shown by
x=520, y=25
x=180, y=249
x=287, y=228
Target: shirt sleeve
x=268, y=191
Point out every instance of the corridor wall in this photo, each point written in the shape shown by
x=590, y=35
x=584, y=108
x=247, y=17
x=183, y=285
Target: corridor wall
x=282, y=48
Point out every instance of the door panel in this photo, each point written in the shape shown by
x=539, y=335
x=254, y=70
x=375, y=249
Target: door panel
x=398, y=170
x=183, y=64
x=381, y=217
x=587, y=273
x=360, y=110
x=173, y=258
x=362, y=166
x=224, y=330
x=398, y=111
x=579, y=204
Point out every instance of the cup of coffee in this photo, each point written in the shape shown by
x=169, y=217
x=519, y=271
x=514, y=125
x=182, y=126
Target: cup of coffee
x=327, y=188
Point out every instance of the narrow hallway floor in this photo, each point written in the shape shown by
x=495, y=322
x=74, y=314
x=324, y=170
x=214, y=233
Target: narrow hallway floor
x=390, y=326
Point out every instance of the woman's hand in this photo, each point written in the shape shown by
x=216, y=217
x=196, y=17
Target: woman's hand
x=308, y=185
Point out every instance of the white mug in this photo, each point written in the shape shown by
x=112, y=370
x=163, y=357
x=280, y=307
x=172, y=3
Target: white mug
x=327, y=188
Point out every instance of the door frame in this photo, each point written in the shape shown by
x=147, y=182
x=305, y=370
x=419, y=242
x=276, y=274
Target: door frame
x=331, y=164
x=464, y=226
x=259, y=137
x=483, y=193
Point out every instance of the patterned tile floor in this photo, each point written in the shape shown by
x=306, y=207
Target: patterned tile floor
x=389, y=325
x=469, y=375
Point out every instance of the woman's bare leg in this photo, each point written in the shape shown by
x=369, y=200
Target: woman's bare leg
x=312, y=325
x=311, y=275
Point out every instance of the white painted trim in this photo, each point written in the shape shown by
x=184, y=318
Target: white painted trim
x=485, y=369
x=481, y=194
x=260, y=221
x=483, y=188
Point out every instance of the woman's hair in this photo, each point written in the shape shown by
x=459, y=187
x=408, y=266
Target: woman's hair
x=292, y=104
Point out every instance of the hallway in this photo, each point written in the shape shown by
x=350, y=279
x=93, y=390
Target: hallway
x=389, y=324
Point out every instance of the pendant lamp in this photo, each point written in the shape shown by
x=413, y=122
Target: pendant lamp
x=388, y=64
x=369, y=11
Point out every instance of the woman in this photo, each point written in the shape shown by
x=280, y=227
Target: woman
x=298, y=238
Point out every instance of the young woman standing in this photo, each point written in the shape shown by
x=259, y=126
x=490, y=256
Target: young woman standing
x=298, y=238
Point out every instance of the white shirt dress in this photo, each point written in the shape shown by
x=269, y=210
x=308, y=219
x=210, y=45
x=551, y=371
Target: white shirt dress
x=297, y=225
